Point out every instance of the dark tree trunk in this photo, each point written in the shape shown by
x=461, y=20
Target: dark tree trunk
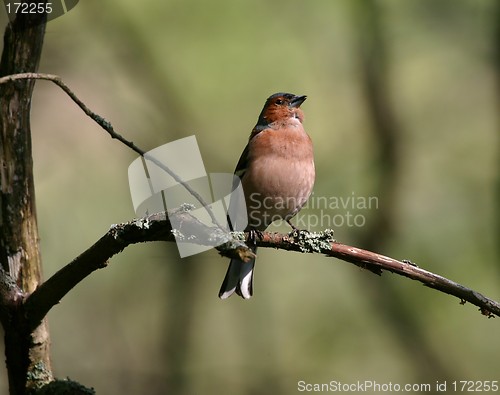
x=27, y=353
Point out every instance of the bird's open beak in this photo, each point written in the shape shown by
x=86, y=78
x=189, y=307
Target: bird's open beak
x=297, y=101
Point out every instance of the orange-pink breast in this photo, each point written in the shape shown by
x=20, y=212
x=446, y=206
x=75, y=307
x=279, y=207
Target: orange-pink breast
x=280, y=176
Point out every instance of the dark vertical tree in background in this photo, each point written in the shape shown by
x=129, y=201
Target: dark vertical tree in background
x=183, y=279
x=375, y=73
x=496, y=65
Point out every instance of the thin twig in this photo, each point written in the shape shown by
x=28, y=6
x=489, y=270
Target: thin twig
x=108, y=127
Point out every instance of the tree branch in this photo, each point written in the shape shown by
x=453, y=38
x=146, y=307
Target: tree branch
x=157, y=227
x=362, y=258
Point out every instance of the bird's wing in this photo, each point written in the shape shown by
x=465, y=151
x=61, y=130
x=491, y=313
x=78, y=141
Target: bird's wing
x=237, y=206
x=242, y=163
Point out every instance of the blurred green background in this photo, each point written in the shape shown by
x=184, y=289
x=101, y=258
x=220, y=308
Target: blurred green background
x=403, y=105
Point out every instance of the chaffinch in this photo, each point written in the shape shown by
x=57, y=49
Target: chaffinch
x=277, y=174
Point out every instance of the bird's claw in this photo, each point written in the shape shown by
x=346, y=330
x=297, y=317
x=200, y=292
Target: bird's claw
x=295, y=233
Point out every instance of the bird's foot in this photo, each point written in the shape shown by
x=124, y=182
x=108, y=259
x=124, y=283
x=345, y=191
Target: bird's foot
x=295, y=231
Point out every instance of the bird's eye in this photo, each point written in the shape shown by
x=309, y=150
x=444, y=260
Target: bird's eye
x=279, y=102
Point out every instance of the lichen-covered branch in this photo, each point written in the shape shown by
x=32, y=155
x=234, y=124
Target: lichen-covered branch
x=157, y=227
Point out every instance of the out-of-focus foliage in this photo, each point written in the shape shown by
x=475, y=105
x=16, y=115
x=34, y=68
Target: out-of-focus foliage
x=162, y=70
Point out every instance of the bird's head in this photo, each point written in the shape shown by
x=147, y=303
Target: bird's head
x=280, y=107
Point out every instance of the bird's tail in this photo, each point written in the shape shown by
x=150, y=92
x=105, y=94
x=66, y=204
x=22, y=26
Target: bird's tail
x=239, y=279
